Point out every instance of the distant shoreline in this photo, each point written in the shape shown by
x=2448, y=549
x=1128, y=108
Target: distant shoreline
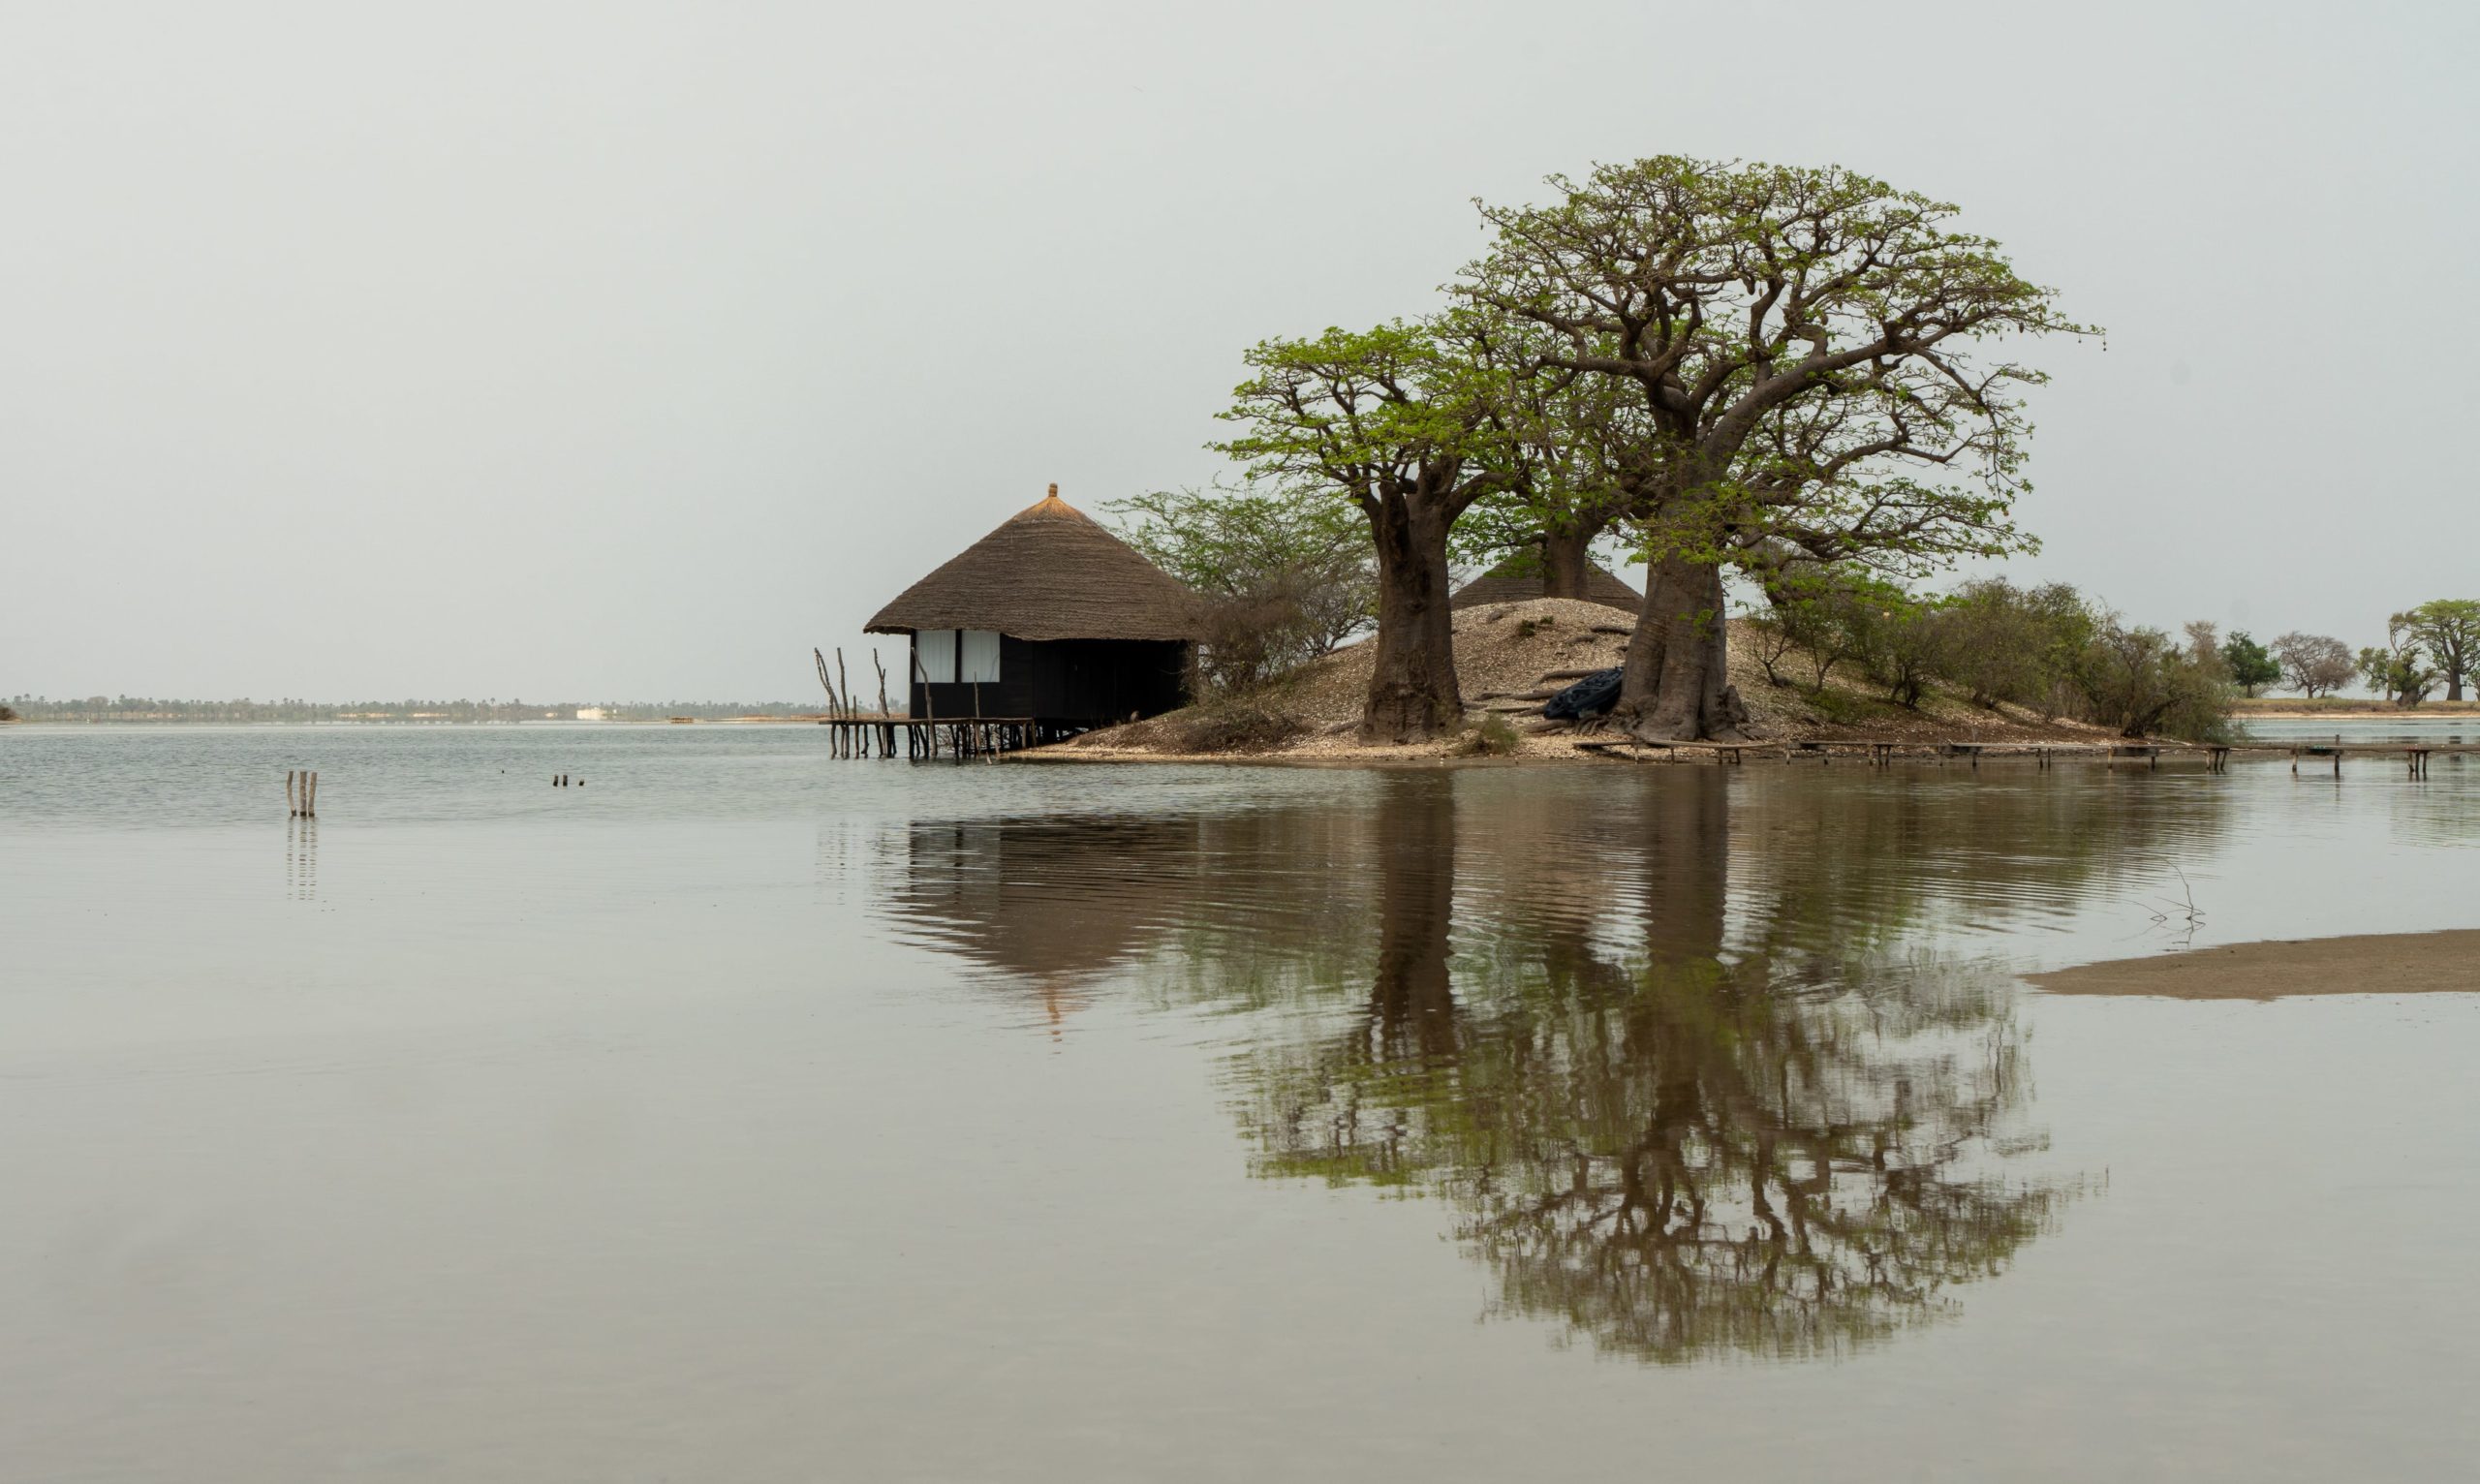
x=113, y=723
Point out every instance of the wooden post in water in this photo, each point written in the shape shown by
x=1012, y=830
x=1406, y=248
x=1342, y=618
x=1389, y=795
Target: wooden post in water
x=834, y=706
x=929, y=712
x=887, y=733
x=844, y=704
x=292, y=800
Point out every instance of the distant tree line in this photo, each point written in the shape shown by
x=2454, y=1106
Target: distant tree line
x=138, y=708
x=2437, y=644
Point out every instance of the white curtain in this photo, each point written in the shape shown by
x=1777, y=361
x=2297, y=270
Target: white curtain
x=935, y=651
x=980, y=660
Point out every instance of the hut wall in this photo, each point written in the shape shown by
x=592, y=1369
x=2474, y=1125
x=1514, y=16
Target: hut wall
x=1076, y=682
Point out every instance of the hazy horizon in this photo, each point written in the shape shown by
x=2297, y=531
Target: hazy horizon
x=632, y=351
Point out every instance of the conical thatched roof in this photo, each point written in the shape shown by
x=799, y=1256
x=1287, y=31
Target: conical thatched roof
x=1049, y=572
x=1505, y=583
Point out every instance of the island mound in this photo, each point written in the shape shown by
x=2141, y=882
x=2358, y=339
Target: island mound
x=1511, y=656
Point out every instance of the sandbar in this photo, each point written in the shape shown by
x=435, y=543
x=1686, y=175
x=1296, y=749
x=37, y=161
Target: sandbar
x=2368, y=964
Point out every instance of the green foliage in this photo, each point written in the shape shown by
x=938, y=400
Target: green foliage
x=1819, y=611
x=1839, y=707
x=2146, y=684
x=1999, y=642
x=2047, y=648
x=1812, y=356
x=2252, y=665
x=1560, y=450
x=1359, y=414
x=2398, y=669
x=2395, y=677
x=1280, y=578
x=1896, y=636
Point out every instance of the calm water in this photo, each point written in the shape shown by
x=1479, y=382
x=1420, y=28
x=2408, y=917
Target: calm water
x=749, y=1115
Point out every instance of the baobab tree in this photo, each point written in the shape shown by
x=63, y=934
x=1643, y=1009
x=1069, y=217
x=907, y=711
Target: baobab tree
x=1732, y=297
x=2449, y=629
x=1563, y=437
x=1396, y=421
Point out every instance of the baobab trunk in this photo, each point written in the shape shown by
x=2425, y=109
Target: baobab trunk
x=1675, y=683
x=1567, y=557
x=1413, y=695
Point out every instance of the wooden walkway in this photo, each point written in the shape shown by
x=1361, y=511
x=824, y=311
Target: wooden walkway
x=2216, y=757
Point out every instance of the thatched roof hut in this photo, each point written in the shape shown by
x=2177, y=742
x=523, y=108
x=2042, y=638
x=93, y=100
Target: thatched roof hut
x=1511, y=582
x=1049, y=619
x=1049, y=571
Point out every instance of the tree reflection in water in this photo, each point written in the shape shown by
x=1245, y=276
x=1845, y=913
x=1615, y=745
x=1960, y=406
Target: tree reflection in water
x=1684, y=1115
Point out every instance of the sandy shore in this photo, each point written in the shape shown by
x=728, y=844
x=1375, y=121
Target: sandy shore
x=2372, y=963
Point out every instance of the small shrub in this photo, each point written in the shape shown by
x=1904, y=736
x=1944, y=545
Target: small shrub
x=1491, y=735
x=1279, y=578
x=1838, y=706
x=1527, y=628
x=1244, y=726
x=1898, y=643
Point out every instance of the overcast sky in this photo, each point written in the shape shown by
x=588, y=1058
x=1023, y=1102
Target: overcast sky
x=625, y=351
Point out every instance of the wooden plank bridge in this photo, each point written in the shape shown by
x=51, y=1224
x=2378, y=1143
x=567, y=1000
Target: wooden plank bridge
x=2214, y=756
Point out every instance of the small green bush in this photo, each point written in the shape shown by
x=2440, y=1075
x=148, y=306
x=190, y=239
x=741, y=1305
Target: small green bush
x=1838, y=706
x=1491, y=735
